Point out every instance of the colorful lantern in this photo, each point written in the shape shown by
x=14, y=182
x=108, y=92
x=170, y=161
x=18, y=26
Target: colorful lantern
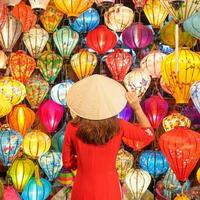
x=83, y=63
x=181, y=147
x=188, y=72
x=126, y=113
x=119, y=63
x=21, y=66
x=137, y=36
x=139, y=4
x=198, y=175
x=195, y=94
x=181, y=197
x=21, y=171
x=5, y=106
x=66, y=177
x=25, y=15
x=10, y=142
x=104, y=3
x=39, y=4
x=3, y=14
x=153, y=162
x=3, y=60
x=137, y=80
x=118, y=17
x=164, y=86
x=10, y=193
x=50, y=114
x=36, y=143
x=21, y=118
x=10, y=33
x=65, y=40
x=101, y=39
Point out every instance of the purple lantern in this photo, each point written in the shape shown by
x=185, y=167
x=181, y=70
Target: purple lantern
x=126, y=113
x=137, y=36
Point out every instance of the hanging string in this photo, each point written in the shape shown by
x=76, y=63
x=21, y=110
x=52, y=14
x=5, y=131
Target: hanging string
x=176, y=46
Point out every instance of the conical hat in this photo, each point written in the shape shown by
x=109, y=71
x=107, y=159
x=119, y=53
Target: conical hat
x=96, y=97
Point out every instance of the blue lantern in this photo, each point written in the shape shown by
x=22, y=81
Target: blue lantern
x=153, y=162
x=59, y=91
x=10, y=142
x=126, y=113
x=37, y=192
x=51, y=163
x=87, y=21
x=195, y=94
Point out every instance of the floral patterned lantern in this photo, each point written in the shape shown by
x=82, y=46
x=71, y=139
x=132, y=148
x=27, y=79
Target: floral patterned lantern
x=5, y=106
x=3, y=60
x=104, y=3
x=10, y=193
x=3, y=14
x=139, y=4
x=126, y=113
x=195, y=94
x=39, y=4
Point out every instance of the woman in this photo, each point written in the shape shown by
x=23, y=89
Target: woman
x=93, y=138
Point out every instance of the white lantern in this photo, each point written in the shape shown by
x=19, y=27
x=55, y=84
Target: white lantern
x=11, y=2
x=3, y=60
x=195, y=94
x=39, y=4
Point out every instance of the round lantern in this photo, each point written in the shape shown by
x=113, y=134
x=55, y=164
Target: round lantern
x=137, y=36
x=65, y=40
x=10, y=142
x=34, y=191
x=5, y=105
x=21, y=66
x=137, y=80
x=195, y=94
x=3, y=14
x=25, y=15
x=153, y=162
x=101, y=39
x=126, y=113
x=180, y=80
x=119, y=63
x=139, y=4
x=3, y=60
x=36, y=143
x=66, y=177
x=198, y=175
x=181, y=147
x=104, y=3
x=21, y=171
x=118, y=17
x=39, y=4
x=83, y=63
x=9, y=193
x=10, y=33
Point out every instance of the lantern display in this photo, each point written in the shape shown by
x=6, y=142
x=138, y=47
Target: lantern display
x=21, y=171
x=101, y=39
x=164, y=86
x=51, y=163
x=87, y=21
x=39, y=4
x=83, y=63
x=104, y=3
x=21, y=66
x=137, y=80
x=118, y=17
x=5, y=106
x=181, y=147
x=126, y=113
x=36, y=90
x=119, y=63
x=195, y=94
x=3, y=60
x=25, y=15
x=188, y=72
x=3, y=14
x=51, y=17
x=198, y=175
x=10, y=33
x=10, y=142
x=139, y=4
x=137, y=36
x=152, y=63
x=65, y=40
x=9, y=193
x=21, y=118
x=50, y=114
x=155, y=13
x=34, y=191
x=14, y=90
x=59, y=92
x=36, y=143
x=153, y=162
x=66, y=177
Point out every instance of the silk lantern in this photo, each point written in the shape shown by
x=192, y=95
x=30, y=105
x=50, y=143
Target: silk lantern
x=118, y=17
x=21, y=66
x=21, y=171
x=164, y=86
x=119, y=63
x=39, y=4
x=10, y=193
x=25, y=15
x=181, y=197
x=181, y=147
x=3, y=60
x=180, y=80
x=5, y=106
x=126, y=113
x=83, y=63
x=139, y=4
x=3, y=14
x=10, y=33
x=101, y=39
x=195, y=94
x=104, y=3
x=66, y=177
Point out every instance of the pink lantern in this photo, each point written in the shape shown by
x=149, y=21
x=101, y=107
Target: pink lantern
x=3, y=14
x=119, y=62
x=9, y=193
x=139, y=4
x=50, y=114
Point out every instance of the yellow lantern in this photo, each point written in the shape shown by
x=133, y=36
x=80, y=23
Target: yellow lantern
x=73, y=8
x=3, y=60
x=36, y=143
x=21, y=171
x=180, y=80
x=198, y=175
x=181, y=197
x=83, y=63
x=5, y=105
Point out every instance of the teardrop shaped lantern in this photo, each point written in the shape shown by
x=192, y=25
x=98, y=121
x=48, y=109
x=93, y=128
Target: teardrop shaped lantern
x=3, y=60
x=65, y=39
x=10, y=33
x=35, y=40
x=39, y=4
x=118, y=17
x=188, y=72
x=139, y=4
x=126, y=113
x=195, y=94
x=5, y=106
x=83, y=63
x=101, y=39
x=3, y=14
x=21, y=65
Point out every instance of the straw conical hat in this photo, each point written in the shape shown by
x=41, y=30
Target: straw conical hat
x=96, y=97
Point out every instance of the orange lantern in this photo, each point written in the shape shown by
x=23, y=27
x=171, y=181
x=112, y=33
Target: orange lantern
x=3, y=60
x=3, y=14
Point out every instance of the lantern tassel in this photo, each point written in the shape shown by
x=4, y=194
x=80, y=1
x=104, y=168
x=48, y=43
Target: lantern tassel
x=37, y=176
x=176, y=45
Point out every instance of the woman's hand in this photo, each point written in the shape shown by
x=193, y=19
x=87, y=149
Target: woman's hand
x=133, y=100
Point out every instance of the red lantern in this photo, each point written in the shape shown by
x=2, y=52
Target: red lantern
x=181, y=147
x=101, y=39
x=139, y=4
x=3, y=14
x=119, y=62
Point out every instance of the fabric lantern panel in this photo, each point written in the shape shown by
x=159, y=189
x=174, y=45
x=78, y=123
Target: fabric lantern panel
x=66, y=177
x=5, y=106
x=3, y=14
x=126, y=113
x=195, y=94
x=3, y=60
x=10, y=193
x=164, y=86
x=39, y=4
